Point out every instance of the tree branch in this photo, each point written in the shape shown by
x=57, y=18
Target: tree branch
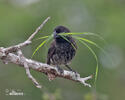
x=7, y=55
x=38, y=29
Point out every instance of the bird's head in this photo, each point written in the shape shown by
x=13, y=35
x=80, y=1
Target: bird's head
x=58, y=30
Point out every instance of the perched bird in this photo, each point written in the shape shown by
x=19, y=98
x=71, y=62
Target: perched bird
x=62, y=50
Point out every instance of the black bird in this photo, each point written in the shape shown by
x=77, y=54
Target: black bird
x=62, y=50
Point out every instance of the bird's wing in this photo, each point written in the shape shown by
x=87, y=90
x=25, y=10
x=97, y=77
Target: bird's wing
x=51, y=51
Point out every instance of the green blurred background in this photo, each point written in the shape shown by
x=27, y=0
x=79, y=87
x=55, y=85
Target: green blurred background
x=20, y=18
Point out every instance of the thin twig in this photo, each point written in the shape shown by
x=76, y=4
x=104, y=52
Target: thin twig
x=30, y=76
x=38, y=29
x=20, y=54
x=28, y=41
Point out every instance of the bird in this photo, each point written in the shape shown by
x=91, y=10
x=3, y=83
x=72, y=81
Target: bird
x=62, y=49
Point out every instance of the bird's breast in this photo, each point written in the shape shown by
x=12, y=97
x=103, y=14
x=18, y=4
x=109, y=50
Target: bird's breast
x=63, y=54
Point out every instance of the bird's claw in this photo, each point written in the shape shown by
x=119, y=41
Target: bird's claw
x=61, y=71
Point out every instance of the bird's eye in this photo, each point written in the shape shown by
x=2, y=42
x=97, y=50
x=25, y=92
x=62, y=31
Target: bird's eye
x=58, y=31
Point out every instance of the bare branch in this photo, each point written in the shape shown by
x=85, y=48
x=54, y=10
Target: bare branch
x=7, y=56
x=16, y=47
x=46, y=69
x=28, y=41
x=38, y=29
x=30, y=76
x=20, y=54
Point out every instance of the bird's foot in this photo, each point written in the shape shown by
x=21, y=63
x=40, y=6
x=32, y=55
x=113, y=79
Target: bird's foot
x=71, y=69
x=76, y=74
x=60, y=70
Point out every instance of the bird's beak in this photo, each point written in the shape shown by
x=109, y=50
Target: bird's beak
x=55, y=35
